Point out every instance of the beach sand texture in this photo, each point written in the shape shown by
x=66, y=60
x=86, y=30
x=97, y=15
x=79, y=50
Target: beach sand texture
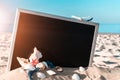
x=106, y=62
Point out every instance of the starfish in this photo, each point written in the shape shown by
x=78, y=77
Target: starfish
x=34, y=62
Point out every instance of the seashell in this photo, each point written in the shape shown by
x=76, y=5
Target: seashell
x=35, y=55
x=41, y=75
x=29, y=67
x=81, y=69
x=41, y=66
x=51, y=72
x=75, y=77
x=22, y=61
x=58, y=68
x=45, y=63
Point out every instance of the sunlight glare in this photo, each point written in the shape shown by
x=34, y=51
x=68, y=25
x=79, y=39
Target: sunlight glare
x=4, y=19
x=3, y=16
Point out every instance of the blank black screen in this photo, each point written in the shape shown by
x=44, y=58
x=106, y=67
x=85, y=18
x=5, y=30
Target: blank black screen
x=65, y=43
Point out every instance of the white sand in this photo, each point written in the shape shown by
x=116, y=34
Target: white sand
x=92, y=73
x=106, y=58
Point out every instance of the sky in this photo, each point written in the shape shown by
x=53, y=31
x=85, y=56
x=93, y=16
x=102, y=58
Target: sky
x=104, y=12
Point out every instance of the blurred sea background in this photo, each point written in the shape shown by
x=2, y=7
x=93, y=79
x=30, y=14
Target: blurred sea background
x=103, y=28
x=102, y=12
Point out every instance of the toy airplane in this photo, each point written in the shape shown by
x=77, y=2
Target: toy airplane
x=87, y=18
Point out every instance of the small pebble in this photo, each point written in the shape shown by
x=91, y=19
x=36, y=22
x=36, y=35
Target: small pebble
x=41, y=75
x=81, y=69
x=75, y=77
x=51, y=72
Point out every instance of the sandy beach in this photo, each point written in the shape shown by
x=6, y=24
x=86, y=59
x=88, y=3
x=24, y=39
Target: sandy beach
x=106, y=62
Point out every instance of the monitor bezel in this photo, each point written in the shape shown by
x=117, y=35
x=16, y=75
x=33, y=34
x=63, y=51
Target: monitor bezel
x=18, y=11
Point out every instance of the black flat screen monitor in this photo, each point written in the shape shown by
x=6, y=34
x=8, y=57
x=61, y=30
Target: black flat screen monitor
x=64, y=41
